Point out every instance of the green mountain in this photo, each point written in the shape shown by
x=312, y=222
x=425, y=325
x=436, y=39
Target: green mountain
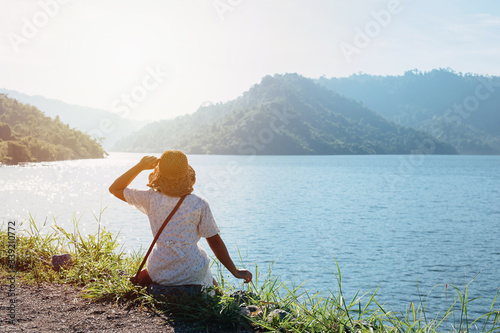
x=284, y=114
x=462, y=110
x=27, y=135
x=102, y=125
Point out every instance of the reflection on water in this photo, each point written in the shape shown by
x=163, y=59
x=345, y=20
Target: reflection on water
x=402, y=229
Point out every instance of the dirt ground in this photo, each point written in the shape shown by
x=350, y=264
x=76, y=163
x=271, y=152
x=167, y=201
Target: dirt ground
x=59, y=308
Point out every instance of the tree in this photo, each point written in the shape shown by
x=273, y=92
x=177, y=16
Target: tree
x=18, y=152
x=5, y=131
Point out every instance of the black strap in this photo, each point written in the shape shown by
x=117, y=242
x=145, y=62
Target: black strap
x=159, y=232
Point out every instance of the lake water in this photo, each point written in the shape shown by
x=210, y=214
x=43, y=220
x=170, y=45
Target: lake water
x=404, y=223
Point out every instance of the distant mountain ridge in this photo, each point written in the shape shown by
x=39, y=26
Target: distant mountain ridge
x=284, y=114
x=97, y=123
x=463, y=110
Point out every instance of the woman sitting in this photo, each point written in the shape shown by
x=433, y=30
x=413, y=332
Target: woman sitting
x=178, y=258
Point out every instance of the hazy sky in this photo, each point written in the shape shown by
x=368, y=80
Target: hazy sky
x=162, y=58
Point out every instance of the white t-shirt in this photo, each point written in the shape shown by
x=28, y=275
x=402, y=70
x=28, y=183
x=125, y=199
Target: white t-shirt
x=177, y=257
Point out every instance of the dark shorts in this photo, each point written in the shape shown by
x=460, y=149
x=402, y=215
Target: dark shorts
x=159, y=290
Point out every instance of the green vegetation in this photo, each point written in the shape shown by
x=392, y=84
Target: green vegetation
x=101, y=268
x=27, y=135
x=460, y=109
x=284, y=114
x=103, y=125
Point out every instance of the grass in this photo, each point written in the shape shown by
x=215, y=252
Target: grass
x=102, y=268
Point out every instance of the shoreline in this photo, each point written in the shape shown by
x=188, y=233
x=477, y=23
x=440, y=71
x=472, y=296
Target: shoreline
x=97, y=275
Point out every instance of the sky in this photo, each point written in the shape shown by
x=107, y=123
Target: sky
x=158, y=59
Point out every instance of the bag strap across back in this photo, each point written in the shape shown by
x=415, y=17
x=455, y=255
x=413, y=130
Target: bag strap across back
x=159, y=232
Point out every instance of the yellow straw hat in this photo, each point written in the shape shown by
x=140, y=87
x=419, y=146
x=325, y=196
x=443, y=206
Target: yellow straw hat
x=173, y=176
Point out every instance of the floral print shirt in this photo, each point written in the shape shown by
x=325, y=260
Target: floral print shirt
x=177, y=257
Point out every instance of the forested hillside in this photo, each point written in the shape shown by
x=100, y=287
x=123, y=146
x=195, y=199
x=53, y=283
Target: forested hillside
x=105, y=126
x=284, y=114
x=27, y=135
x=463, y=110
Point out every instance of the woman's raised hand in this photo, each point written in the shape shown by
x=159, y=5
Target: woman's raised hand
x=148, y=162
x=243, y=274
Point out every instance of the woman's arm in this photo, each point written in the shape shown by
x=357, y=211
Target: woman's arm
x=147, y=162
x=219, y=249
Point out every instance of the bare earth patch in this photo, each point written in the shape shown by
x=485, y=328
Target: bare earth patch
x=59, y=308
